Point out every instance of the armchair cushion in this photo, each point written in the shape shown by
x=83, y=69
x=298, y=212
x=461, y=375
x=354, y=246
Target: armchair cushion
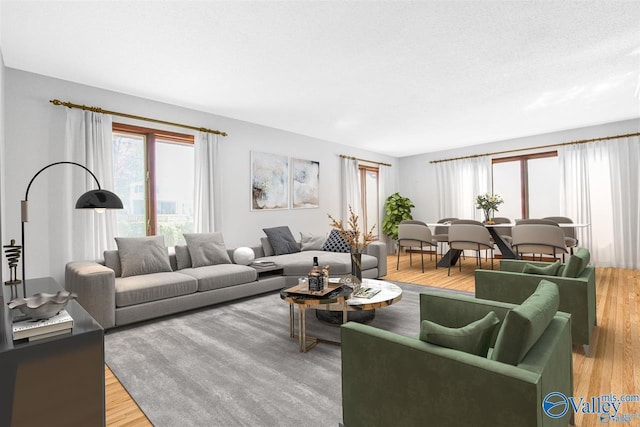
x=475, y=338
x=524, y=324
x=143, y=255
x=577, y=263
x=548, y=270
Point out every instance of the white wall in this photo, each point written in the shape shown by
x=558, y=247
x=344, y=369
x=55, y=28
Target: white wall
x=35, y=137
x=418, y=176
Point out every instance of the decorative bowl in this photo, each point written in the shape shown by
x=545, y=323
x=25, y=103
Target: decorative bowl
x=43, y=305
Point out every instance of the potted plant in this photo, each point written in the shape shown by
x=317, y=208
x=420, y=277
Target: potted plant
x=489, y=204
x=397, y=209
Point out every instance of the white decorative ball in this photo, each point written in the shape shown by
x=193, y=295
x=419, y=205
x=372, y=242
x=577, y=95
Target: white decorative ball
x=243, y=256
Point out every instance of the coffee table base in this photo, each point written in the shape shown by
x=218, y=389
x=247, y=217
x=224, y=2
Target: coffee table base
x=335, y=317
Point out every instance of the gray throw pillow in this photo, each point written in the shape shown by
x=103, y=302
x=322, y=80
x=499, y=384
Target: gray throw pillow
x=335, y=243
x=281, y=240
x=142, y=255
x=183, y=259
x=475, y=338
x=311, y=242
x=266, y=246
x=525, y=324
x=547, y=270
x=206, y=249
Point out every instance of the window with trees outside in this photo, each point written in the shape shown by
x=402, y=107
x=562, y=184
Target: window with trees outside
x=154, y=177
x=369, y=194
x=528, y=184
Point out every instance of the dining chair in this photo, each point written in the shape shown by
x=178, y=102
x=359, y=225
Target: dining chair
x=536, y=221
x=470, y=236
x=441, y=233
x=570, y=239
x=413, y=233
x=538, y=238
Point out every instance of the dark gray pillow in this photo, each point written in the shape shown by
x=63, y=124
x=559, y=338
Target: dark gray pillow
x=335, y=243
x=474, y=338
x=142, y=255
x=281, y=240
x=206, y=249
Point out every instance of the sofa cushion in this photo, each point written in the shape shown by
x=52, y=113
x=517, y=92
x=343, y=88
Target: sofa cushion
x=206, y=249
x=524, y=324
x=152, y=287
x=281, y=240
x=221, y=275
x=112, y=260
x=312, y=242
x=474, y=338
x=143, y=255
x=266, y=246
x=547, y=270
x=577, y=263
x=183, y=259
x=335, y=243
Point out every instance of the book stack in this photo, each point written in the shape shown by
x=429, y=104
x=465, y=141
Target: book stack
x=263, y=264
x=36, y=329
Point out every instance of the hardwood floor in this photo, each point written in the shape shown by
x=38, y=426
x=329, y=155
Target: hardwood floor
x=613, y=368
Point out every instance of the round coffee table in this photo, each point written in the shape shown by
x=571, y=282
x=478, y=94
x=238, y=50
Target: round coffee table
x=362, y=310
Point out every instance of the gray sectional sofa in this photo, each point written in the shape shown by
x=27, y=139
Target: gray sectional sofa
x=116, y=294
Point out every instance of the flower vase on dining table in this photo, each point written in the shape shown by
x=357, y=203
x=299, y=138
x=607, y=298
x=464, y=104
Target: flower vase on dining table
x=488, y=216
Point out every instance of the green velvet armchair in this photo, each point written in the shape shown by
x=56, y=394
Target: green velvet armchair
x=390, y=379
x=577, y=294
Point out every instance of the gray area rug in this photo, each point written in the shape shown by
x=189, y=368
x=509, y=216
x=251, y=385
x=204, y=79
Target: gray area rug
x=234, y=364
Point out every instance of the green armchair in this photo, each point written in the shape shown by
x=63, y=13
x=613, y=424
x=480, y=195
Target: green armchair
x=390, y=379
x=577, y=294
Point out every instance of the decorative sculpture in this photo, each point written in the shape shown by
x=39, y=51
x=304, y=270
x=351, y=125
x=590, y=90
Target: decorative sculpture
x=12, y=252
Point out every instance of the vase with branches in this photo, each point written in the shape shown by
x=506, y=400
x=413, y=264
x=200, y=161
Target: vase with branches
x=356, y=239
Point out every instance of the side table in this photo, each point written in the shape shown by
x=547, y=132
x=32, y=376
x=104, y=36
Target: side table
x=57, y=381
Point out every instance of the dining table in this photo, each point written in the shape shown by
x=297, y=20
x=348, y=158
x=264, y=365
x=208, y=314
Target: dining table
x=507, y=252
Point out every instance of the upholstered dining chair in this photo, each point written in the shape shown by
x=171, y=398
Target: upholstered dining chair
x=570, y=239
x=441, y=233
x=538, y=238
x=470, y=236
x=411, y=234
x=542, y=221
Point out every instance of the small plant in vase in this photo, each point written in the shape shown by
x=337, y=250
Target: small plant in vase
x=354, y=238
x=489, y=204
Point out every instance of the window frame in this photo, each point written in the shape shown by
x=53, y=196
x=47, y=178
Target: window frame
x=151, y=138
x=524, y=175
x=362, y=170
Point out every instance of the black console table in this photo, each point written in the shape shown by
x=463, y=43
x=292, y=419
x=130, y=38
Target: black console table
x=57, y=381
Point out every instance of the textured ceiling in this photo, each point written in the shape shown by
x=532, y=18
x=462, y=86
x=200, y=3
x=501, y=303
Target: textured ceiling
x=395, y=77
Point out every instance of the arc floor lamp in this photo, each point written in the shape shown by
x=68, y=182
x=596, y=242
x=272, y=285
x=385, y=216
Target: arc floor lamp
x=93, y=199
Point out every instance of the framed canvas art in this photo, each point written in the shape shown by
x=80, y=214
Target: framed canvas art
x=269, y=181
x=305, y=184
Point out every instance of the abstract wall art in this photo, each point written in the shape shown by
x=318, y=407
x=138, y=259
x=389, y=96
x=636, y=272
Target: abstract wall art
x=269, y=181
x=305, y=184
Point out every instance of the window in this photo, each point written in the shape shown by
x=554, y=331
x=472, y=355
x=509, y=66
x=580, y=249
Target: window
x=528, y=184
x=369, y=194
x=154, y=177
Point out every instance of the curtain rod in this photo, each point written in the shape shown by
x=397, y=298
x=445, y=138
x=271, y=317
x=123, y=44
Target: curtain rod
x=582, y=141
x=364, y=160
x=131, y=116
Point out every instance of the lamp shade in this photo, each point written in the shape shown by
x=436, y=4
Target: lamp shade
x=99, y=199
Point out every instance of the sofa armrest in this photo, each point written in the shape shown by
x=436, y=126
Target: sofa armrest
x=95, y=285
x=379, y=250
x=389, y=379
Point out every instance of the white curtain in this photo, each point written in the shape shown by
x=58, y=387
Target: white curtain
x=599, y=186
x=387, y=185
x=350, y=195
x=458, y=183
x=208, y=185
x=83, y=234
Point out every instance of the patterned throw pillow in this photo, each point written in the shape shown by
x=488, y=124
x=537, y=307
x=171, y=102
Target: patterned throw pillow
x=335, y=243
